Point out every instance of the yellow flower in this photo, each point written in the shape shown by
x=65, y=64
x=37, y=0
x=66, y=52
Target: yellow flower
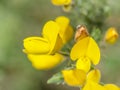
x=61, y=2
x=42, y=50
x=111, y=35
x=74, y=77
x=66, y=31
x=85, y=51
x=111, y=87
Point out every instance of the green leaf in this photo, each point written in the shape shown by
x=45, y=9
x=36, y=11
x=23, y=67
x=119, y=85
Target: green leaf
x=56, y=79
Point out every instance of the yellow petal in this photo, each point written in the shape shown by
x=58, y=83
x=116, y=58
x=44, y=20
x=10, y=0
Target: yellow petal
x=94, y=75
x=93, y=86
x=36, y=45
x=74, y=77
x=93, y=51
x=86, y=47
x=51, y=32
x=111, y=35
x=67, y=36
x=61, y=2
x=58, y=45
x=83, y=64
x=63, y=22
x=65, y=28
x=44, y=62
x=79, y=49
x=111, y=87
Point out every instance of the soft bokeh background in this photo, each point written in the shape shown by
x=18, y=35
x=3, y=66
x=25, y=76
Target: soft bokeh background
x=23, y=18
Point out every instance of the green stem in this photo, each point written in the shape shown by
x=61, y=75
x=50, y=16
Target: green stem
x=64, y=53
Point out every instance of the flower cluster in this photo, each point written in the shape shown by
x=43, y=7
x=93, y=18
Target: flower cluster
x=46, y=51
x=85, y=76
x=44, y=54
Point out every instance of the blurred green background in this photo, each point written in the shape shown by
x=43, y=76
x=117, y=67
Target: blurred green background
x=22, y=18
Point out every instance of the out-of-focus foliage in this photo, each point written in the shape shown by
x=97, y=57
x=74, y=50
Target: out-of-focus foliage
x=93, y=12
x=22, y=18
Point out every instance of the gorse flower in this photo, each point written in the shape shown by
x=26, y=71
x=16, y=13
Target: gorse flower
x=85, y=51
x=111, y=35
x=61, y=2
x=66, y=4
x=43, y=51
